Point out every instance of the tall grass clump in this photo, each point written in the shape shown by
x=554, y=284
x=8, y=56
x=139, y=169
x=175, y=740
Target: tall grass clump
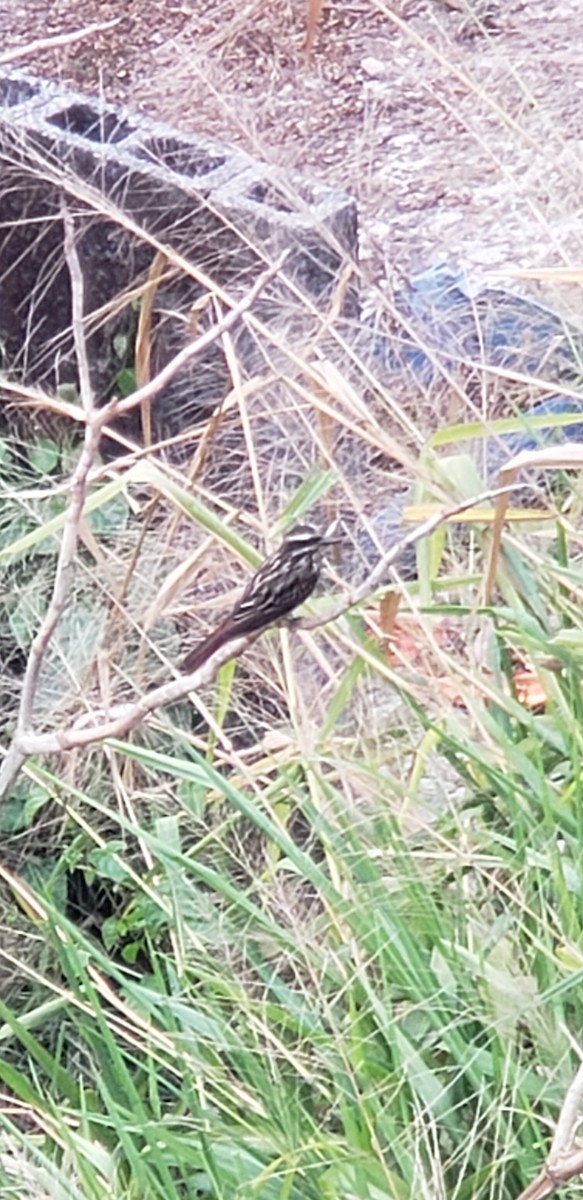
x=309, y=927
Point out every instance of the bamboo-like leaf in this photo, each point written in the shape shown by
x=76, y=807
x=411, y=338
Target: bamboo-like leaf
x=564, y=457
x=144, y=340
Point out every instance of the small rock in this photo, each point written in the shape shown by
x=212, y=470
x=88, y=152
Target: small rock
x=374, y=67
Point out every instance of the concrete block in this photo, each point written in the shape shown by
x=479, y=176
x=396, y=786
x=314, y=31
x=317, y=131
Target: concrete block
x=224, y=211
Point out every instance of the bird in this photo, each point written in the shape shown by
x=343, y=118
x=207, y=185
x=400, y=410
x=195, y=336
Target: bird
x=283, y=581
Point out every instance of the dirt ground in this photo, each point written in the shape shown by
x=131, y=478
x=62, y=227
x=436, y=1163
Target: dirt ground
x=455, y=122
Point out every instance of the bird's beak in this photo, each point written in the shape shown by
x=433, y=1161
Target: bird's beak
x=334, y=534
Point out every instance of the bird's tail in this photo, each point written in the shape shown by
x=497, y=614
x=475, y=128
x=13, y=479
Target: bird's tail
x=203, y=650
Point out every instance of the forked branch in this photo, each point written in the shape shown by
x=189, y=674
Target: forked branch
x=122, y=718
x=25, y=741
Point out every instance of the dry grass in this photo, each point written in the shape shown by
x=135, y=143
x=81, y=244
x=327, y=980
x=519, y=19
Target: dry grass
x=338, y=829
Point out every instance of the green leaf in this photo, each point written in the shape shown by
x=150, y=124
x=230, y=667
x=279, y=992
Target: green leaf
x=24, y=620
x=131, y=952
x=121, y=344
x=68, y=392
x=12, y=815
x=126, y=381
x=316, y=484
x=35, y=801
x=112, y=929
x=192, y=797
x=112, y=517
x=41, y=533
x=44, y=877
x=364, y=1179
x=44, y=455
x=107, y=862
x=149, y=473
x=168, y=830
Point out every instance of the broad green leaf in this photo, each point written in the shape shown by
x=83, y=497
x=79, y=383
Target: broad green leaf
x=44, y=455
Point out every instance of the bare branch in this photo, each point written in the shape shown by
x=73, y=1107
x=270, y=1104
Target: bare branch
x=126, y=716
x=114, y=408
x=569, y=1115
x=378, y=574
x=151, y=389
x=121, y=718
x=563, y=1162
x=77, y=310
x=66, y=559
x=59, y=39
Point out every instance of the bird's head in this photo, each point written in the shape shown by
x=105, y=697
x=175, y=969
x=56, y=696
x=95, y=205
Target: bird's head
x=307, y=536
x=310, y=541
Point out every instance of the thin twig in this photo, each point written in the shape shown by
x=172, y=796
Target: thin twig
x=146, y=393
x=96, y=421
x=124, y=717
x=377, y=576
x=65, y=567
x=151, y=389
x=77, y=311
x=68, y=548
x=563, y=1162
x=59, y=39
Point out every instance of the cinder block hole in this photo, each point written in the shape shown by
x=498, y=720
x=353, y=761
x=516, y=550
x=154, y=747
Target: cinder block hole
x=266, y=193
x=88, y=122
x=16, y=91
x=177, y=156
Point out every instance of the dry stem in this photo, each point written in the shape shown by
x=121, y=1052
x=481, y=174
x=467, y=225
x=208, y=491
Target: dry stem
x=124, y=717
x=563, y=1162
x=59, y=39
x=66, y=560
x=25, y=742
